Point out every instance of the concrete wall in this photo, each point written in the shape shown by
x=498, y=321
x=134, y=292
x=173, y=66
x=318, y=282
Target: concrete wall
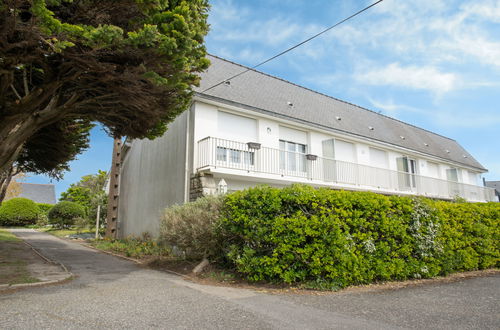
x=152, y=178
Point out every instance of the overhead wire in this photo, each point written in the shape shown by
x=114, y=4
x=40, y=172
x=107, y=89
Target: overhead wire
x=293, y=47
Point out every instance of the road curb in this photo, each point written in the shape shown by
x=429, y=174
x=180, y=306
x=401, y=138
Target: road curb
x=41, y=283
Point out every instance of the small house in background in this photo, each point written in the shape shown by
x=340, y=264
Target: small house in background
x=39, y=193
x=495, y=185
x=259, y=129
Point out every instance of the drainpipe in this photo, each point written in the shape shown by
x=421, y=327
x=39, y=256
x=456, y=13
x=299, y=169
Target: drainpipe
x=187, y=177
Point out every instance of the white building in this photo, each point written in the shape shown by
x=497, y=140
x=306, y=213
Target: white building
x=259, y=129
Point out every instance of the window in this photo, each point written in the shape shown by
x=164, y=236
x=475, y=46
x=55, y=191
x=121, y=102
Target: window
x=235, y=156
x=292, y=156
x=452, y=174
x=409, y=166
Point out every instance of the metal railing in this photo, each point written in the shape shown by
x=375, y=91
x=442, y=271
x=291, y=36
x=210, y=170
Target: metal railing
x=220, y=153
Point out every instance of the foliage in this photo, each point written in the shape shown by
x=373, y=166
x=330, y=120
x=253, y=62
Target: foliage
x=190, y=227
x=44, y=208
x=19, y=212
x=331, y=239
x=89, y=193
x=133, y=247
x=50, y=150
x=129, y=65
x=43, y=217
x=64, y=214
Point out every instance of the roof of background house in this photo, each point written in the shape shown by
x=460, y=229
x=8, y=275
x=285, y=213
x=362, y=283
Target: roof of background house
x=271, y=95
x=39, y=193
x=493, y=184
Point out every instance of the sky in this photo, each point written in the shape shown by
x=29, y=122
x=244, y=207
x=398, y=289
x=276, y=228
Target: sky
x=431, y=63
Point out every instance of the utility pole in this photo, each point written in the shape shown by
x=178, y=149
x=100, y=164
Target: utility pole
x=114, y=189
x=97, y=221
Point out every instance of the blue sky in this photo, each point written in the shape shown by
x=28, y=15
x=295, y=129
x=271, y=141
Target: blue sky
x=434, y=64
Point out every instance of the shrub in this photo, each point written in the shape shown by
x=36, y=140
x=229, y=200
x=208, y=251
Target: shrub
x=44, y=208
x=19, y=212
x=190, y=227
x=327, y=238
x=63, y=214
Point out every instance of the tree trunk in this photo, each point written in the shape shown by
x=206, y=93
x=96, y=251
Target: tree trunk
x=17, y=129
x=5, y=179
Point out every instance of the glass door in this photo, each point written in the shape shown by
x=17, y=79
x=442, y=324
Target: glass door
x=293, y=158
x=407, y=170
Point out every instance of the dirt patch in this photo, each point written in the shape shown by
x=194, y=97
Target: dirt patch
x=20, y=264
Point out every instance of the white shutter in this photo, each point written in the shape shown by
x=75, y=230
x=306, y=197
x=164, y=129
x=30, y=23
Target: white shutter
x=378, y=158
x=237, y=128
x=432, y=170
x=293, y=135
x=345, y=151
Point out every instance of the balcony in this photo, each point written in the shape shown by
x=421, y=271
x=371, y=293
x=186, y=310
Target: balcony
x=252, y=160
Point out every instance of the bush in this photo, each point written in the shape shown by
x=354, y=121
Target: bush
x=190, y=227
x=44, y=208
x=328, y=238
x=19, y=212
x=63, y=214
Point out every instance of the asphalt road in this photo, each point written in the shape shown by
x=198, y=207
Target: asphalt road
x=110, y=292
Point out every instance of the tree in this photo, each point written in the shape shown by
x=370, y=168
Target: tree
x=14, y=188
x=64, y=214
x=48, y=151
x=89, y=193
x=127, y=64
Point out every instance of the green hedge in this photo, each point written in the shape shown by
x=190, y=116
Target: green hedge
x=45, y=208
x=19, y=212
x=338, y=238
x=64, y=214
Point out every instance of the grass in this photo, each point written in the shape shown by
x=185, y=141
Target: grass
x=132, y=247
x=13, y=260
x=65, y=232
x=6, y=236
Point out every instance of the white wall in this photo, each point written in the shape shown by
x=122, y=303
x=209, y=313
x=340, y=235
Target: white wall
x=268, y=132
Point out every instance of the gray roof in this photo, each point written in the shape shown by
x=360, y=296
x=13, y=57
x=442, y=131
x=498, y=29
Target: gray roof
x=493, y=184
x=39, y=193
x=267, y=94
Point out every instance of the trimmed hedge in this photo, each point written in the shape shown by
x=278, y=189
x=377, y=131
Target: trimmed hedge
x=334, y=238
x=45, y=208
x=64, y=214
x=19, y=212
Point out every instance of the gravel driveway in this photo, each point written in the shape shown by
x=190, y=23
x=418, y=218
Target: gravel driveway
x=110, y=292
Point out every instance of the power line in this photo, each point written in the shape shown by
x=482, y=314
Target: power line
x=295, y=46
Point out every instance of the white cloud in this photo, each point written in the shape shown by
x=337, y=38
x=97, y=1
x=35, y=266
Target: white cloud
x=393, y=109
x=426, y=78
x=489, y=10
x=455, y=118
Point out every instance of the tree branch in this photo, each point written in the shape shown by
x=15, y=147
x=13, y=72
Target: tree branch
x=25, y=83
x=15, y=92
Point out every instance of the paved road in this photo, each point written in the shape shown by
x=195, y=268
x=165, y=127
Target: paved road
x=110, y=292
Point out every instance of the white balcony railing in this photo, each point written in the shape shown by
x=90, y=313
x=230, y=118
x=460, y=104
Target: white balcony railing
x=219, y=153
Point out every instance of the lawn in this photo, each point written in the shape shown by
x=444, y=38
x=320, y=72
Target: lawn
x=65, y=232
x=14, y=260
x=6, y=236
